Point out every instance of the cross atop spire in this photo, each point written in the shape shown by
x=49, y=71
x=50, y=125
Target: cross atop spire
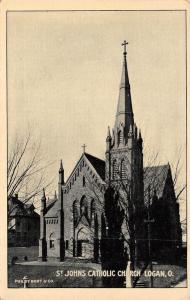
x=124, y=47
x=84, y=146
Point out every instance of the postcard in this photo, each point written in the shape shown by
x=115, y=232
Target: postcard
x=94, y=121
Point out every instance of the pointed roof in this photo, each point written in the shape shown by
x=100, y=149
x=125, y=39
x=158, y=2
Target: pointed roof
x=124, y=107
x=155, y=177
x=98, y=164
x=52, y=209
x=17, y=208
x=43, y=195
x=83, y=220
x=99, y=167
x=61, y=166
x=52, y=206
x=108, y=134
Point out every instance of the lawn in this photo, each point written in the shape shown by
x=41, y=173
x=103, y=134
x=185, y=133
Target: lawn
x=45, y=272
x=48, y=278
x=21, y=252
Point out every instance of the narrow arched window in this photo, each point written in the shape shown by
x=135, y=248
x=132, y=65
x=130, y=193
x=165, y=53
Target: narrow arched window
x=93, y=207
x=83, y=181
x=66, y=245
x=123, y=170
x=75, y=212
x=115, y=169
x=120, y=137
x=52, y=240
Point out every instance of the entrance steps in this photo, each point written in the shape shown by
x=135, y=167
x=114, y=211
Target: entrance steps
x=142, y=284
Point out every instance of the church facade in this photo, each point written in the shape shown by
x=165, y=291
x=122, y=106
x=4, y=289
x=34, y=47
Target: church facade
x=74, y=222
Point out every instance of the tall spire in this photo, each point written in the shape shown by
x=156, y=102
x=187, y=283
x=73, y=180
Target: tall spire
x=61, y=173
x=108, y=134
x=43, y=201
x=61, y=166
x=44, y=194
x=124, y=108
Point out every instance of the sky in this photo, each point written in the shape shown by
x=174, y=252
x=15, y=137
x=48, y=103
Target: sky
x=64, y=71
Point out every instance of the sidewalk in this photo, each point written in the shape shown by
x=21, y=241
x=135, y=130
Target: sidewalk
x=66, y=263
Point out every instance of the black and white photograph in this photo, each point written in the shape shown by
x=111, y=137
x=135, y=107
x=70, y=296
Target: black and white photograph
x=96, y=148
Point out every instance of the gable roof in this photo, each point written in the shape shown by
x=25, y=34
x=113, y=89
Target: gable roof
x=50, y=203
x=98, y=164
x=83, y=220
x=99, y=167
x=155, y=177
x=17, y=208
x=52, y=209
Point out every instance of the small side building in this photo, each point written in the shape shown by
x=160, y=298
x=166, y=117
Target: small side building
x=160, y=200
x=23, y=223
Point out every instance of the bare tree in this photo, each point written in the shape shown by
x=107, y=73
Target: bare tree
x=27, y=169
x=133, y=216
x=126, y=205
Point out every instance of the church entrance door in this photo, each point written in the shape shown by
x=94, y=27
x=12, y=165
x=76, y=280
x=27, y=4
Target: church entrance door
x=84, y=244
x=79, y=248
x=84, y=249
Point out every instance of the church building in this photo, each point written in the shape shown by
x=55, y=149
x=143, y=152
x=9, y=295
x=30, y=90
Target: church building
x=74, y=222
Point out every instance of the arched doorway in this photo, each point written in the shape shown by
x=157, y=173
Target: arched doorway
x=84, y=243
x=52, y=241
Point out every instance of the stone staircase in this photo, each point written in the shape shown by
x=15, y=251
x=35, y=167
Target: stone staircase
x=142, y=284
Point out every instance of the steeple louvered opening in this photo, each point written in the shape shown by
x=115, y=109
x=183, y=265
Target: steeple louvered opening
x=115, y=169
x=120, y=138
x=123, y=170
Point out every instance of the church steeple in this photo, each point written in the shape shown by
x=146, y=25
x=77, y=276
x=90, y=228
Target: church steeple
x=124, y=157
x=124, y=113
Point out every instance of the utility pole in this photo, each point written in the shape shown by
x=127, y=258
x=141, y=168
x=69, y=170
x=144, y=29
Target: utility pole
x=149, y=221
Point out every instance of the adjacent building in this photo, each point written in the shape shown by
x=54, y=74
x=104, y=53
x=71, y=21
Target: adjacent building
x=23, y=223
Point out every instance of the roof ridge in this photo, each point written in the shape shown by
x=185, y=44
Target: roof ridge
x=85, y=153
x=158, y=166
x=88, y=156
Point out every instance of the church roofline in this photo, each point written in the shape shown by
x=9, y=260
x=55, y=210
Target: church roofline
x=158, y=166
x=96, y=164
x=156, y=177
x=21, y=208
x=87, y=156
x=73, y=171
x=50, y=204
